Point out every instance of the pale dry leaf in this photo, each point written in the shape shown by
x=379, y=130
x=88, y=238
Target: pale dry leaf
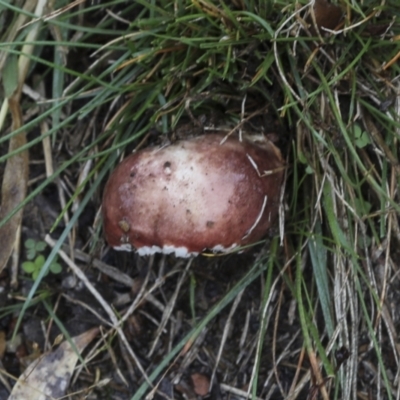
x=49, y=376
x=14, y=186
x=15, y=179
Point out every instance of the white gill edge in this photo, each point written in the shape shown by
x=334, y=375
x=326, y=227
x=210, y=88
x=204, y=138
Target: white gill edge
x=123, y=247
x=168, y=249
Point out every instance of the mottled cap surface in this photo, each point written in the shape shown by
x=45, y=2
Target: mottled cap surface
x=192, y=196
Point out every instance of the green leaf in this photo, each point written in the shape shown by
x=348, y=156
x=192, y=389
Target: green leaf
x=39, y=261
x=28, y=267
x=362, y=206
x=30, y=243
x=30, y=254
x=361, y=138
x=55, y=268
x=40, y=246
x=309, y=170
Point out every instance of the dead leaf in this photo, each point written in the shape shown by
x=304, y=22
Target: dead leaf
x=14, y=186
x=15, y=179
x=48, y=377
x=327, y=15
x=2, y=344
x=201, y=384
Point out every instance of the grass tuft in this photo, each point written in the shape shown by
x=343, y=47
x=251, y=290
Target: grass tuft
x=105, y=78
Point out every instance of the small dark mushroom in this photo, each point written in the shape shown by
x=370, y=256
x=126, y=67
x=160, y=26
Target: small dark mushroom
x=193, y=195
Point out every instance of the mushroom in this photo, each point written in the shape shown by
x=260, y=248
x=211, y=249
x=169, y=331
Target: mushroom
x=194, y=195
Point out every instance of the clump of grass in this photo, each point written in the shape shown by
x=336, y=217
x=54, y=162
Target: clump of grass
x=333, y=96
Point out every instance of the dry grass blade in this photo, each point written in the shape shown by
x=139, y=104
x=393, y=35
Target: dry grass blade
x=168, y=309
x=113, y=318
x=29, y=7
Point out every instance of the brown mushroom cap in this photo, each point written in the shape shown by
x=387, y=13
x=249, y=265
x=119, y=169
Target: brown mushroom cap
x=193, y=195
